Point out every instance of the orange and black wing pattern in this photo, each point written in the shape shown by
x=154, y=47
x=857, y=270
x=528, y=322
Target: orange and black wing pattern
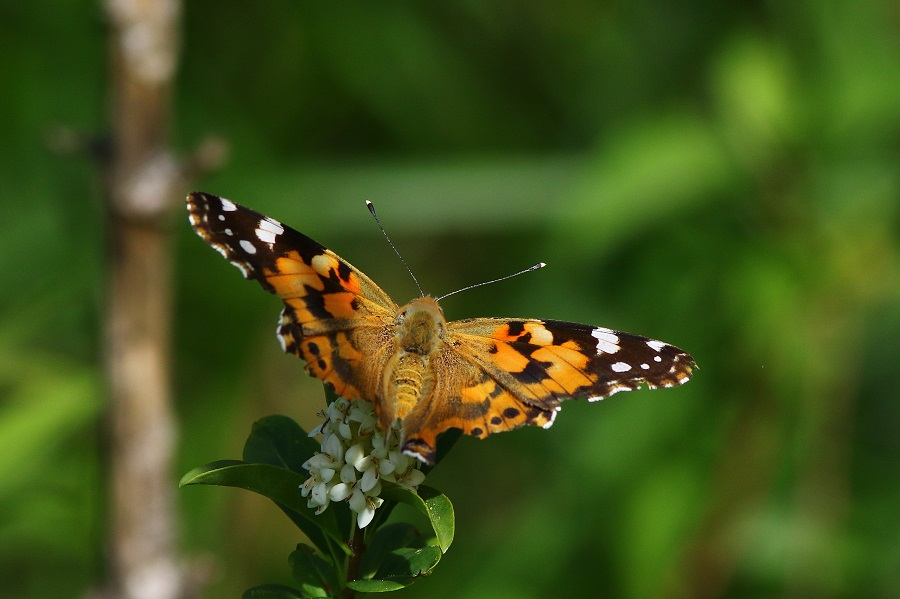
x=335, y=317
x=544, y=362
x=497, y=374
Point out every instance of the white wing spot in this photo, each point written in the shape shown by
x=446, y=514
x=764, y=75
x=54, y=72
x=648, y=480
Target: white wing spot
x=656, y=345
x=645, y=366
x=221, y=217
x=228, y=232
x=621, y=367
x=607, y=341
x=270, y=224
x=268, y=230
x=248, y=247
x=228, y=205
x=657, y=359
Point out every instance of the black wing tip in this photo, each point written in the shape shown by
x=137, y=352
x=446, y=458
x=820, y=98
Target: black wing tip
x=199, y=202
x=198, y=196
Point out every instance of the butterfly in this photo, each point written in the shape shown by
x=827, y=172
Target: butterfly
x=479, y=375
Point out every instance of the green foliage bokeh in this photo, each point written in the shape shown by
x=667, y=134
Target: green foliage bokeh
x=720, y=176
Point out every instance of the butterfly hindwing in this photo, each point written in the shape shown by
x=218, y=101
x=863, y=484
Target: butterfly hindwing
x=469, y=398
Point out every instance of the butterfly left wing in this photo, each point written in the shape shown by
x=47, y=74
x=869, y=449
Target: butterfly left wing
x=518, y=371
x=335, y=317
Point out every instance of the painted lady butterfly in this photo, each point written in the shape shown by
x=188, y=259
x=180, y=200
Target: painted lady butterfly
x=480, y=375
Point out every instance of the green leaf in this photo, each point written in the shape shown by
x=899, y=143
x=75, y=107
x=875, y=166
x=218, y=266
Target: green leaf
x=431, y=502
x=375, y=586
x=409, y=563
x=330, y=395
x=272, y=591
x=278, y=484
x=387, y=539
x=279, y=441
x=316, y=575
x=400, y=569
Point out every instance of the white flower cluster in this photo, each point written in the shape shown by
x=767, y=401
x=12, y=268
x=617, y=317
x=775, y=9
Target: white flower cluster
x=356, y=456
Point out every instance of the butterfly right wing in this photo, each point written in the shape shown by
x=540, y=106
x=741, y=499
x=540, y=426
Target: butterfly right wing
x=335, y=317
x=497, y=374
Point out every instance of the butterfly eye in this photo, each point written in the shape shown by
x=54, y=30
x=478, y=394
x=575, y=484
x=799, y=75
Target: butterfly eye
x=401, y=317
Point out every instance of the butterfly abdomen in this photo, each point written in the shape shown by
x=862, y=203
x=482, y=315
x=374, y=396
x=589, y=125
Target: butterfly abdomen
x=408, y=379
x=409, y=374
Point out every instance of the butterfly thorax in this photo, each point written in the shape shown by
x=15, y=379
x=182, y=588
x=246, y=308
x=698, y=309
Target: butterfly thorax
x=408, y=378
x=420, y=326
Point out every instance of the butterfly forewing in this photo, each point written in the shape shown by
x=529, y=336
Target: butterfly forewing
x=331, y=308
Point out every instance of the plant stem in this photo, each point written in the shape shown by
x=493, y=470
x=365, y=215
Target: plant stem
x=358, y=550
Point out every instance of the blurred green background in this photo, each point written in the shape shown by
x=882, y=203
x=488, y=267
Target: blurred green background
x=722, y=176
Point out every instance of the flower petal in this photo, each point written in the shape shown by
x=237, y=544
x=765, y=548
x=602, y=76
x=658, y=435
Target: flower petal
x=369, y=478
x=364, y=518
x=339, y=492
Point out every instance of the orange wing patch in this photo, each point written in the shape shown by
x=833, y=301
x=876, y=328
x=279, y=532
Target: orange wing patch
x=565, y=366
x=479, y=407
x=494, y=409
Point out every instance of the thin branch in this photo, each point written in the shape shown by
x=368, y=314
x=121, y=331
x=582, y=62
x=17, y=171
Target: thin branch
x=358, y=550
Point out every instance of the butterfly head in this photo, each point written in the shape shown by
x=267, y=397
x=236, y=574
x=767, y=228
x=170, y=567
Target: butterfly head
x=420, y=326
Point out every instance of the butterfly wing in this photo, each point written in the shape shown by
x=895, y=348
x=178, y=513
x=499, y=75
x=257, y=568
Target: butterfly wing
x=547, y=361
x=504, y=373
x=335, y=317
x=465, y=396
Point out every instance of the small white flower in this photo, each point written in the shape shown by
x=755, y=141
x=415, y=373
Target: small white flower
x=357, y=501
x=339, y=492
x=355, y=457
x=411, y=479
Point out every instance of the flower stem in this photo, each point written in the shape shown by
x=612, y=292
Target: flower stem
x=358, y=550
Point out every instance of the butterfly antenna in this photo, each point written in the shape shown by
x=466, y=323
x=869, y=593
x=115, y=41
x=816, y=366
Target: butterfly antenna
x=515, y=274
x=371, y=207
